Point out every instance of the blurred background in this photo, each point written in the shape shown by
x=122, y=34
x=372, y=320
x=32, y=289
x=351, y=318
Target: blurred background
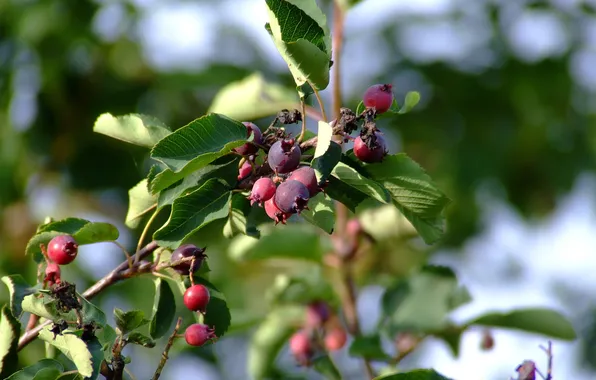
x=506, y=126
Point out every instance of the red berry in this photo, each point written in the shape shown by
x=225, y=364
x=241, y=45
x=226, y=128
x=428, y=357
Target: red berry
x=262, y=191
x=188, y=250
x=335, y=339
x=378, y=96
x=354, y=228
x=62, y=249
x=244, y=170
x=249, y=147
x=274, y=212
x=198, y=334
x=370, y=154
x=52, y=273
x=306, y=175
x=301, y=346
x=196, y=298
x=284, y=156
x=291, y=197
x=317, y=313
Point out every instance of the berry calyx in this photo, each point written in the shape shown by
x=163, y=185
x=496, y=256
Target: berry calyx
x=306, y=175
x=250, y=147
x=274, y=212
x=196, y=298
x=284, y=156
x=291, y=197
x=62, y=249
x=244, y=170
x=187, y=250
x=335, y=339
x=52, y=274
x=375, y=151
x=198, y=334
x=378, y=96
x=263, y=190
x=317, y=313
x=301, y=346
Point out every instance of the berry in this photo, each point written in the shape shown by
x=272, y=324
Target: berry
x=488, y=341
x=274, y=212
x=187, y=250
x=196, y=298
x=301, y=347
x=353, y=227
x=291, y=197
x=372, y=154
x=335, y=339
x=244, y=170
x=52, y=273
x=198, y=334
x=63, y=249
x=262, y=191
x=306, y=176
x=284, y=156
x=317, y=313
x=378, y=96
x=249, y=147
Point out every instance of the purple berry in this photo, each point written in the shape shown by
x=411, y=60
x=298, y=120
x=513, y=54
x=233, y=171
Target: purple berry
x=63, y=249
x=306, y=176
x=188, y=250
x=244, y=170
x=378, y=96
x=249, y=147
x=317, y=313
x=196, y=298
x=291, y=197
x=198, y=334
x=370, y=155
x=262, y=191
x=274, y=212
x=284, y=156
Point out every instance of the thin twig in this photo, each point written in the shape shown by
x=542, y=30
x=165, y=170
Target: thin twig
x=164, y=355
x=549, y=353
x=321, y=104
x=303, y=130
x=338, y=39
x=128, y=258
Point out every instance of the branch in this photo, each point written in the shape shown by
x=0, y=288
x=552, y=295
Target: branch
x=164, y=355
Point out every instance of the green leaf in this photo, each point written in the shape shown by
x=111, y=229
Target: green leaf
x=143, y=130
x=321, y=212
x=417, y=374
x=311, y=286
x=301, y=242
x=270, y=337
x=130, y=320
x=164, y=309
x=344, y=193
x=253, y=98
x=18, y=289
x=299, y=31
x=86, y=357
x=47, y=374
x=536, y=320
x=193, y=211
x=238, y=220
x=354, y=179
x=10, y=328
x=323, y=365
x=29, y=372
x=368, y=347
x=414, y=193
x=136, y=337
x=326, y=161
x=140, y=202
x=106, y=337
x=71, y=376
x=324, y=135
x=360, y=108
x=218, y=314
x=194, y=146
x=44, y=306
x=412, y=98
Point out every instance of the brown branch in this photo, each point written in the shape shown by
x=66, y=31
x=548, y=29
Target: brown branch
x=164, y=355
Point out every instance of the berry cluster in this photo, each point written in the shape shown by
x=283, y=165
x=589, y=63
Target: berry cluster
x=61, y=250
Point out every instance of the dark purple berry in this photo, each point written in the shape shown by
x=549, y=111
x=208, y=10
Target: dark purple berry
x=301, y=347
x=378, y=96
x=306, y=176
x=370, y=155
x=63, y=249
x=249, y=147
x=291, y=197
x=262, y=191
x=196, y=298
x=284, y=156
x=198, y=334
x=188, y=250
x=317, y=313
x=274, y=212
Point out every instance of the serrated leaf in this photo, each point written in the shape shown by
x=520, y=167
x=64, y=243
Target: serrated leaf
x=326, y=162
x=164, y=309
x=354, y=179
x=106, y=337
x=217, y=314
x=47, y=374
x=138, y=129
x=136, y=337
x=270, y=337
x=252, y=98
x=194, y=146
x=191, y=212
x=44, y=306
x=29, y=372
x=130, y=320
x=10, y=328
x=321, y=212
x=417, y=374
x=323, y=365
x=412, y=98
x=18, y=289
x=238, y=221
x=535, y=320
x=324, y=135
x=140, y=202
x=344, y=193
x=368, y=347
x=70, y=376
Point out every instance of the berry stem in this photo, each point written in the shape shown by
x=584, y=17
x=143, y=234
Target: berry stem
x=164, y=355
x=303, y=130
x=321, y=105
x=128, y=257
x=145, y=231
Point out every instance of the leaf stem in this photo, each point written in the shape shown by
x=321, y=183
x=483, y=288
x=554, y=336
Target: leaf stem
x=128, y=258
x=321, y=105
x=164, y=355
x=303, y=130
x=145, y=231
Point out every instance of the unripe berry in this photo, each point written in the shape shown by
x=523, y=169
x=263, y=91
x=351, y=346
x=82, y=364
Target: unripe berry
x=262, y=191
x=274, y=212
x=353, y=227
x=291, y=197
x=317, y=313
x=198, y=334
x=62, y=249
x=487, y=342
x=52, y=273
x=375, y=153
x=378, y=96
x=301, y=346
x=335, y=339
x=249, y=147
x=196, y=298
x=188, y=250
x=306, y=175
x=244, y=170
x=284, y=156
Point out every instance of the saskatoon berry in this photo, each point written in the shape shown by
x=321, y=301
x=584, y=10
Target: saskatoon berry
x=300, y=346
x=353, y=227
x=52, y=273
x=274, y=212
x=62, y=249
x=198, y=334
x=378, y=96
x=262, y=191
x=284, y=156
x=187, y=250
x=244, y=170
x=291, y=197
x=196, y=298
x=335, y=339
x=306, y=176
x=317, y=313
x=249, y=147
x=370, y=155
